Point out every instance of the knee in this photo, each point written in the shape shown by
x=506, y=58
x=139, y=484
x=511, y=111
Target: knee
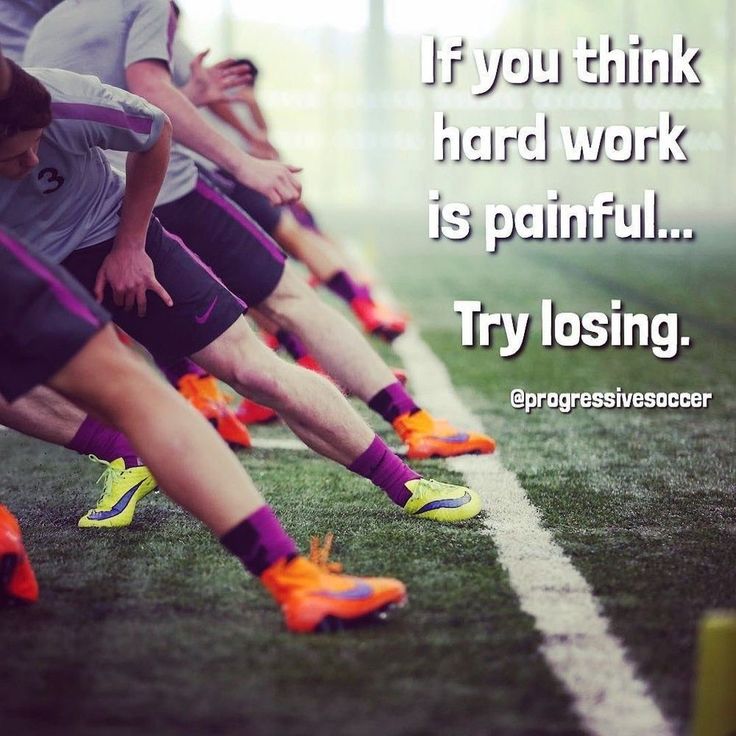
x=291, y=299
x=260, y=380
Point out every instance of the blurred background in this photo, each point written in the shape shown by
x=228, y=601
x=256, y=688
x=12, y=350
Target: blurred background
x=340, y=84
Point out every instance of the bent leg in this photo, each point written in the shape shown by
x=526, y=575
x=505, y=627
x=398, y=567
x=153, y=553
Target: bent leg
x=345, y=354
x=43, y=414
x=310, y=404
x=193, y=465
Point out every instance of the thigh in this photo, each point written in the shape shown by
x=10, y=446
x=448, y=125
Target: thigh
x=45, y=319
x=235, y=247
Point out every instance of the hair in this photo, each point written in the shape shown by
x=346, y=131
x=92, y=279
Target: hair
x=26, y=106
x=250, y=63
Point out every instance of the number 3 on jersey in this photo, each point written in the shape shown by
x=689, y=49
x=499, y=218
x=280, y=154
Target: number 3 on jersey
x=51, y=177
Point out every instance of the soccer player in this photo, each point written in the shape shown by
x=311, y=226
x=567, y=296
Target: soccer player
x=52, y=332
x=127, y=43
x=58, y=190
x=305, y=243
x=292, y=227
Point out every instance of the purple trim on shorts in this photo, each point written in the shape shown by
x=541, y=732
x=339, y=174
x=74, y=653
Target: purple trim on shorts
x=203, y=265
x=103, y=115
x=63, y=294
x=240, y=216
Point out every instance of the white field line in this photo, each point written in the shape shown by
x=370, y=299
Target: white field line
x=577, y=644
x=607, y=694
x=285, y=443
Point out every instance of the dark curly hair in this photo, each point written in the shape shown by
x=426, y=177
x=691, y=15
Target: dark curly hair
x=26, y=106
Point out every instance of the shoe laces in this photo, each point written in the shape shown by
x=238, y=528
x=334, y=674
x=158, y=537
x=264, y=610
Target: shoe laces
x=319, y=553
x=108, y=477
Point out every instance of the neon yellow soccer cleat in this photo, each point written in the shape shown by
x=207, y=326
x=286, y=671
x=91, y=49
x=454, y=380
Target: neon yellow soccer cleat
x=122, y=489
x=437, y=501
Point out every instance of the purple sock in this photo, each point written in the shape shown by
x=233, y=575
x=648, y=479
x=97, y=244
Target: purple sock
x=392, y=402
x=174, y=371
x=343, y=284
x=94, y=438
x=386, y=470
x=292, y=344
x=259, y=541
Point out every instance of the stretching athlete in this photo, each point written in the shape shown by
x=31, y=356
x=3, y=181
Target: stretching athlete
x=126, y=43
x=52, y=332
x=58, y=190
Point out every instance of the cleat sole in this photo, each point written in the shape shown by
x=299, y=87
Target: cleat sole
x=332, y=624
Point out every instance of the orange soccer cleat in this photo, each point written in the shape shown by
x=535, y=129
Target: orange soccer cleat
x=314, y=599
x=17, y=580
x=203, y=393
x=378, y=319
x=249, y=412
x=312, y=364
x=427, y=437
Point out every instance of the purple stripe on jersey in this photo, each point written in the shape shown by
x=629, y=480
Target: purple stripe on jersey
x=240, y=216
x=170, y=33
x=203, y=265
x=103, y=115
x=64, y=295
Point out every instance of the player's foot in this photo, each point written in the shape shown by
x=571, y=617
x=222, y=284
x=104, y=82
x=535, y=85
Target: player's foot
x=269, y=340
x=314, y=599
x=378, y=319
x=437, y=501
x=249, y=412
x=427, y=437
x=17, y=580
x=122, y=489
x=311, y=364
x=203, y=393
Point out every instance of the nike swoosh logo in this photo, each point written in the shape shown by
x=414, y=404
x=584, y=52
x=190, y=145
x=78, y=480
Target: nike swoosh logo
x=202, y=318
x=445, y=503
x=453, y=438
x=118, y=508
x=358, y=592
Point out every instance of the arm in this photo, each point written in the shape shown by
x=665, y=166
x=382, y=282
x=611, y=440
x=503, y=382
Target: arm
x=127, y=268
x=256, y=112
x=258, y=142
x=151, y=80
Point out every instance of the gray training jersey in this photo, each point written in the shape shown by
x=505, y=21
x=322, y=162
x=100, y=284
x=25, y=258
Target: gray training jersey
x=72, y=198
x=17, y=18
x=104, y=37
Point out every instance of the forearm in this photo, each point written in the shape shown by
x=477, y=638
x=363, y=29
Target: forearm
x=145, y=174
x=190, y=128
x=257, y=115
x=226, y=113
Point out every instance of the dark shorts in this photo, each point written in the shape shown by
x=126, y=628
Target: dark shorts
x=254, y=203
x=303, y=215
x=45, y=319
x=203, y=308
x=228, y=240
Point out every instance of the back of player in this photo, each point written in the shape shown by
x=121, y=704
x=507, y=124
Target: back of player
x=112, y=35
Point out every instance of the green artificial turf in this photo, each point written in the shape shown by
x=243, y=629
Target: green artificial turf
x=155, y=630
